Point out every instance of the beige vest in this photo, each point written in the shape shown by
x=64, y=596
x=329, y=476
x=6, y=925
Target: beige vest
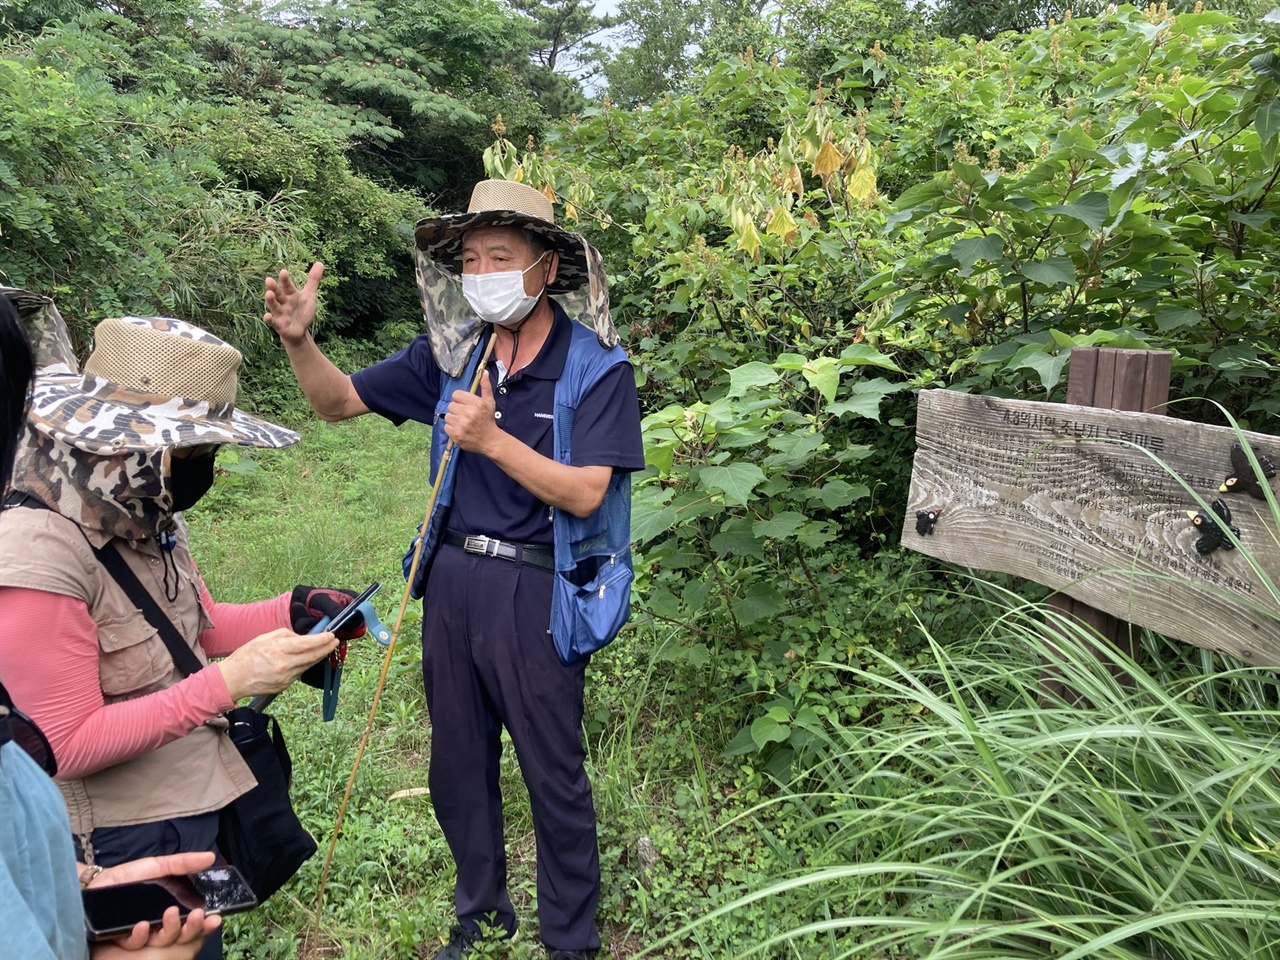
x=198, y=773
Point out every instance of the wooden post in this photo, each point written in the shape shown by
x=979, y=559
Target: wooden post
x=1116, y=380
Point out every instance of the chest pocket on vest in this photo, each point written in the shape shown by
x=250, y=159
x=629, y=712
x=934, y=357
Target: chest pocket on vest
x=132, y=657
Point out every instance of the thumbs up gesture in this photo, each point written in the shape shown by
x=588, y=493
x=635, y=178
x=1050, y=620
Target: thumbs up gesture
x=471, y=419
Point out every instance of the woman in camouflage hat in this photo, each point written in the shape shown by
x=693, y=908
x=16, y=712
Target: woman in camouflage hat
x=43, y=913
x=112, y=457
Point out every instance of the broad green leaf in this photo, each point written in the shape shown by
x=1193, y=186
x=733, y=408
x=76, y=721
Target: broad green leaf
x=864, y=398
x=1240, y=357
x=695, y=593
x=698, y=655
x=969, y=173
x=1258, y=220
x=920, y=193
x=865, y=355
x=1175, y=318
x=815, y=534
x=766, y=730
x=1050, y=271
x=760, y=602
x=972, y=249
x=753, y=374
x=663, y=603
x=838, y=493
x=789, y=361
x=650, y=519
x=824, y=376
x=780, y=526
x=737, y=480
x=1092, y=210
x=660, y=456
x=1266, y=64
x=748, y=434
x=1267, y=120
x=741, y=745
x=1048, y=365
x=737, y=538
x=794, y=450
x=1126, y=172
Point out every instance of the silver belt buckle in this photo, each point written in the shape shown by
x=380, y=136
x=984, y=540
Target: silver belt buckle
x=480, y=545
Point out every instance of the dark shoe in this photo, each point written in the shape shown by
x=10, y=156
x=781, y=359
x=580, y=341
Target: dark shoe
x=459, y=945
x=570, y=954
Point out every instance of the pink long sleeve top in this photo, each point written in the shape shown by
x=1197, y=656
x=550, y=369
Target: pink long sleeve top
x=58, y=685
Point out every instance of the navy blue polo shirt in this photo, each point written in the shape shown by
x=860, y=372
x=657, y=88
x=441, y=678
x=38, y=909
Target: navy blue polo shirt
x=606, y=429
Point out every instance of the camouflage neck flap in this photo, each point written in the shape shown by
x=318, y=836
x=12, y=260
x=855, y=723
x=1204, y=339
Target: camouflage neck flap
x=122, y=495
x=453, y=329
x=45, y=328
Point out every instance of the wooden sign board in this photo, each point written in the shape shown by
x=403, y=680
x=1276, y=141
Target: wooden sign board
x=1088, y=501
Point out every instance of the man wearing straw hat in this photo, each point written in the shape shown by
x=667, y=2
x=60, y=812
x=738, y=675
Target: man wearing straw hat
x=526, y=560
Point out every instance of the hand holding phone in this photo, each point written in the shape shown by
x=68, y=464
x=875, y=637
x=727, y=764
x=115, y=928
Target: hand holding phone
x=113, y=911
x=342, y=619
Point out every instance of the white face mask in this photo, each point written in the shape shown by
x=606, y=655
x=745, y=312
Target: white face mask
x=499, y=297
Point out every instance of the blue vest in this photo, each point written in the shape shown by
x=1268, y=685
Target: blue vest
x=591, y=596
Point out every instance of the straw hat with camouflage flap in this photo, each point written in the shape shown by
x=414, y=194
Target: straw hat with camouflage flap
x=453, y=329
x=150, y=383
x=99, y=443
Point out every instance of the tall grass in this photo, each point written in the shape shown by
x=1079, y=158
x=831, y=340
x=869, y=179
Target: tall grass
x=979, y=821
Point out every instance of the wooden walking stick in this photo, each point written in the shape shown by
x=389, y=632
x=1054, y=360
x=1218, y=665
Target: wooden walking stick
x=386, y=658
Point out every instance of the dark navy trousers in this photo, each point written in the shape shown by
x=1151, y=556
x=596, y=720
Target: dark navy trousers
x=488, y=662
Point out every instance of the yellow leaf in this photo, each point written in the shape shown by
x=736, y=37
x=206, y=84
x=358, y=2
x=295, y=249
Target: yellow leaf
x=549, y=192
x=828, y=161
x=571, y=212
x=749, y=240
x=795, y=180
x=782, y=225
x=860, y=157
x=861, y=185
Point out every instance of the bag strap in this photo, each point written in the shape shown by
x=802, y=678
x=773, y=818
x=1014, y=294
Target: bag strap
x=183, y=657
x=110, y=557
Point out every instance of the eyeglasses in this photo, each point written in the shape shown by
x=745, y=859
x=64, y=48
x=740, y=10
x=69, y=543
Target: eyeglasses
x=22, y=730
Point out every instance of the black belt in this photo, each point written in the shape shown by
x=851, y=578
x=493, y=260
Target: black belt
x=534, y=554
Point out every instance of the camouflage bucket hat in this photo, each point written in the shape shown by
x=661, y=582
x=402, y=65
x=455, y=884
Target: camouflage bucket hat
x=150, y=383
x=453, y=329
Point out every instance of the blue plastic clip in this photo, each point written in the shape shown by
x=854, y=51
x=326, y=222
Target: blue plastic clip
x=333, y=665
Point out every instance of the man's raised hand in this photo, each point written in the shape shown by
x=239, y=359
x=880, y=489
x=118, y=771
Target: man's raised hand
x=290, y=310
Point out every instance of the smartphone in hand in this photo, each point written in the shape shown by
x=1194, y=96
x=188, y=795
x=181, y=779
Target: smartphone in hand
x=113, y=911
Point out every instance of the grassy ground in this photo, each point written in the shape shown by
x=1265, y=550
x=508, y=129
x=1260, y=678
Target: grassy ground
x=338, y=509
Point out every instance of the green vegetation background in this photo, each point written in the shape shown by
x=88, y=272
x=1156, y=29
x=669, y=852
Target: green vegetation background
x=809, y=742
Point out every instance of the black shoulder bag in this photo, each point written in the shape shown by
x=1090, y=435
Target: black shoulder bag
x=258, y=832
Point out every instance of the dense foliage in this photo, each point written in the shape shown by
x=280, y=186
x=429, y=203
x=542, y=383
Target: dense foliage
x=810, y=212
x=794, y=261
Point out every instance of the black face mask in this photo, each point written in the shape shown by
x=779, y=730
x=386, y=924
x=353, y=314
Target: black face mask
x=190, y=479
